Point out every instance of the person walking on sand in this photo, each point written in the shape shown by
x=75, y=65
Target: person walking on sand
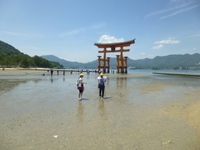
x=80, y=86
x=101, y=85
x=51, y=72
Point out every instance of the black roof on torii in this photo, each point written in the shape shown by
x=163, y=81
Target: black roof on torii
x=117, y=44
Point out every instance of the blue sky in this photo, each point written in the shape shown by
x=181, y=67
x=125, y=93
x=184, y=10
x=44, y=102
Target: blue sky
x=68, y=29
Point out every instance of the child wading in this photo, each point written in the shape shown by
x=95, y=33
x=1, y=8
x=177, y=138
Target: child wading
x=80, y=86
x=101, y=85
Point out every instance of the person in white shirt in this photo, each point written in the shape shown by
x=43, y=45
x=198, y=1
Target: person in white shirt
x=101, y=84
x=80, y=86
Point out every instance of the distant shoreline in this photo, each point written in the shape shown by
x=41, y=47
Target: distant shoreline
x=46, y=69
x=177, y=74
x=44, y=72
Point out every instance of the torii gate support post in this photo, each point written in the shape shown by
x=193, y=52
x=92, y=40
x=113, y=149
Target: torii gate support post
x=117, y=63
x=121, y=59
x=121, y=64
x=108, y=64
x=126, y=64
x=99, y=63
x=104, y=60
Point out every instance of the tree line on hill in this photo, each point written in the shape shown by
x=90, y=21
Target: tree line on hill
x=11, y=57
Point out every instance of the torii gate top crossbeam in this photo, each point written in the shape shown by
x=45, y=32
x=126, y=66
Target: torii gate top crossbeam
x=118, y=44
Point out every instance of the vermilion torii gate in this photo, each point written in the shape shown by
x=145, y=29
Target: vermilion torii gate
x=121, y=61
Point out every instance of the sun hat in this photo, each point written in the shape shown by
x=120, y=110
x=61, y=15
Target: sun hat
x=81, y=75
x=101, y=74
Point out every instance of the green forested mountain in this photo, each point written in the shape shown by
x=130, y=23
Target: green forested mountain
x=11, y=57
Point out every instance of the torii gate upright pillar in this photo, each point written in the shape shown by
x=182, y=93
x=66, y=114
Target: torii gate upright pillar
x=104, y=64
x=108, y=62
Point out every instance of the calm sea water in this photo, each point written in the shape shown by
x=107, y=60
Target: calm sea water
x=164, y=71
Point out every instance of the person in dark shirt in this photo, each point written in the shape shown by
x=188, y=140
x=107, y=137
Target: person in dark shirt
x=101, y=85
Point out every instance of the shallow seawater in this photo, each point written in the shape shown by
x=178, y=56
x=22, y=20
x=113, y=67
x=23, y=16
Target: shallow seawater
x=139, y=112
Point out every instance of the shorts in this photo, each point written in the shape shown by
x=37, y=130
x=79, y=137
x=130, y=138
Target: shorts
x=80, y=89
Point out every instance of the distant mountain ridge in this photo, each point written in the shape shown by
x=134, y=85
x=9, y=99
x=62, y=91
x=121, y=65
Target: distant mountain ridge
x=159, y=62
x=169, y=62
x=65, y=63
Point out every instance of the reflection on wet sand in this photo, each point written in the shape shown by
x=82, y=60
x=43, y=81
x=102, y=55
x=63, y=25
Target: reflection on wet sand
x=51, y=79
x=101, y=107
x=80, y=111
x=138, y=112
x=7, y=85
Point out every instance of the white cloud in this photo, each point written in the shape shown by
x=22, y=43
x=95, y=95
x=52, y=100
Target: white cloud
x=72, y=32
x=22, y=35
x=168, y=41
x=178, y=6
x=143, y=54
x=158, y=46
x=14, y=33
x=168, y=10
x=192, y=36
x=97, y=26
x=179, y=11
x=175, y=1
x=82, y=29
x=109, y=39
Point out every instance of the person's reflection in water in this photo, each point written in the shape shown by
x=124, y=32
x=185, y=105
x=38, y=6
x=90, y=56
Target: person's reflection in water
x=101, y=107
x=51, y=80
x=80, y=111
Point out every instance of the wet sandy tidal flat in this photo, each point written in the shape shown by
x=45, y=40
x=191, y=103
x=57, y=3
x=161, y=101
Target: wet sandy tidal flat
x=139, y=112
